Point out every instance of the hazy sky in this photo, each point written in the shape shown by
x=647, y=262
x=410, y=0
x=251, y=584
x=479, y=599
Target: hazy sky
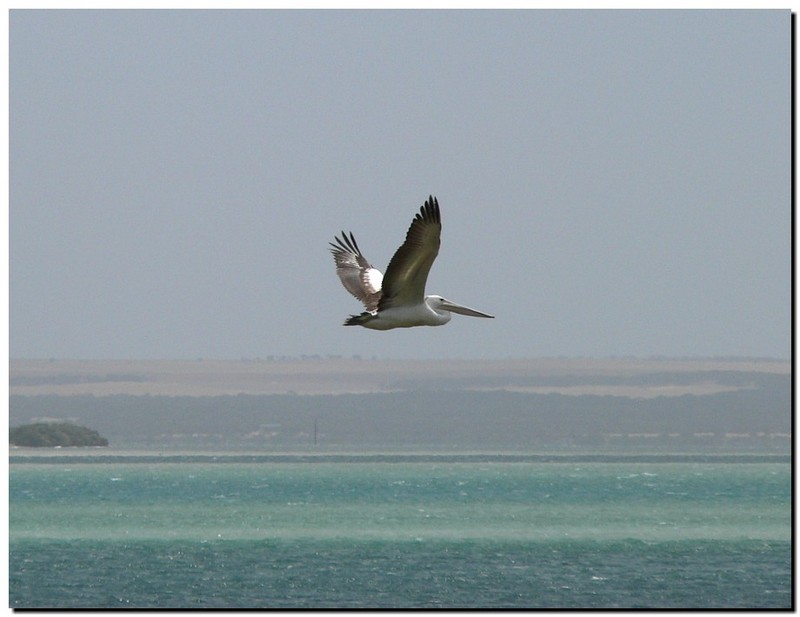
x=611, y=182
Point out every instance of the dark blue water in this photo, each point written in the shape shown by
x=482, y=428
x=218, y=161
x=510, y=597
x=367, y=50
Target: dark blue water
x=400, y=534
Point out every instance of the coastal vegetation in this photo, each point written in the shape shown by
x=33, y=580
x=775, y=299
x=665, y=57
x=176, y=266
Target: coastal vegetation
x=53, y=434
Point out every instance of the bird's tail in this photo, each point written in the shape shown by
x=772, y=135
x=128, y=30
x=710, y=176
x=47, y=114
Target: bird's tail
x=359, y=320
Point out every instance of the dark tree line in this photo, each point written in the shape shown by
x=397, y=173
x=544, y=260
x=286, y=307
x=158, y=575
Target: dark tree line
x=51, y=434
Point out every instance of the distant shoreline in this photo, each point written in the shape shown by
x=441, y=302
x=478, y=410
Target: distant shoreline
x=101, y=457
x=615, y=405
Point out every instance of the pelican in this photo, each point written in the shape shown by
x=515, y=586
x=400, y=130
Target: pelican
x=398, y=299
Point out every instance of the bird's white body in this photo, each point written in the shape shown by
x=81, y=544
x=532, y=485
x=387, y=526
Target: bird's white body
x=407, y=316
x=397, y=299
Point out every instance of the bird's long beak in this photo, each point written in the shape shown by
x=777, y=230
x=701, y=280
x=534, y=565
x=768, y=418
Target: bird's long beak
x=463, y=310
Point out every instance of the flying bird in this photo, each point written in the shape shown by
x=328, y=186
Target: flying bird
x=398, y=300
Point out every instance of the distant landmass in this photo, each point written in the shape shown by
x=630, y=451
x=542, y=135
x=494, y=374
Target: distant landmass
x=53, y=434
x=658, y=405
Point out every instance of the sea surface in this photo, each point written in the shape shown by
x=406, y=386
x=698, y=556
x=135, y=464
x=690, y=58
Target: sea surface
x=405, y=532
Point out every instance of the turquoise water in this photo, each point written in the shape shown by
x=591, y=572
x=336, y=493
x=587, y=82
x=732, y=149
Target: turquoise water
x=101, y=534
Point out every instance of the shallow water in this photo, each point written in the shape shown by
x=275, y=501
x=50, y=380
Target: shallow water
x=405, y=534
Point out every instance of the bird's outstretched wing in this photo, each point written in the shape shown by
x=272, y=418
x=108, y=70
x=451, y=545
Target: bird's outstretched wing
x=355, y=272
x=407, y=273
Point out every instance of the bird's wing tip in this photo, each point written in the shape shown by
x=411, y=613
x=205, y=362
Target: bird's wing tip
x=430, y=210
